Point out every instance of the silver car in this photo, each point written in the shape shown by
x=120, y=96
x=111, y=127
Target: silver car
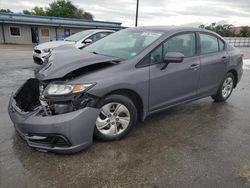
x=105, y=88
x=79, y=40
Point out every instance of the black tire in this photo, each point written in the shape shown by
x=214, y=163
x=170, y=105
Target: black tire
x=218, y=97
x=133, y=116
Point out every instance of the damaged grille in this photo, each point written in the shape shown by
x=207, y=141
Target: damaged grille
x=38, y=51
x=31, y=95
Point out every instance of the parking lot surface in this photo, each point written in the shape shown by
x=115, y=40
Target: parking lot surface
x=200, y=144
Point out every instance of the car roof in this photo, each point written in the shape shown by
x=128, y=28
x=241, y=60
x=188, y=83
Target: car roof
x=100, y=30
x=167, y=29
x=173, y=29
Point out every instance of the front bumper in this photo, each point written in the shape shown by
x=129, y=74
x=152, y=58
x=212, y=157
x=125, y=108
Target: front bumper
x=76, y=127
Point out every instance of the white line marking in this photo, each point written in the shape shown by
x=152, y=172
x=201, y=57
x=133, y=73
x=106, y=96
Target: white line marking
x=246, y=64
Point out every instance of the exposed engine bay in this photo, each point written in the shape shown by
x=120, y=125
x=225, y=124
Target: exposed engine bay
x=31, y=95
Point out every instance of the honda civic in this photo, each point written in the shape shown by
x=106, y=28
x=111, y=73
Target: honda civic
x=103, y=90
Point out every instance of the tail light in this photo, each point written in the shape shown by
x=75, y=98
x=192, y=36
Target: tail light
x=241, y=55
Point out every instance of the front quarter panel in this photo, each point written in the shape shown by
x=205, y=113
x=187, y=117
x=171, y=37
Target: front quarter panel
x=120, y=77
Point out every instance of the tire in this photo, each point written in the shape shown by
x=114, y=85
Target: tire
x=221, y=96
x=117, y=117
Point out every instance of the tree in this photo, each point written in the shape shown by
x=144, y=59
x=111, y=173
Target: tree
x=6, y=10
x=27, y=12
x=245, y=31
x=39, y=11
x=225, y=30
x=60, y=8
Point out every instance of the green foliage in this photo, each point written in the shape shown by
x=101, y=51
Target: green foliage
x=227, y=30
x=35, y=11
x=6, y=10
x=60, y=8
x=245, y=31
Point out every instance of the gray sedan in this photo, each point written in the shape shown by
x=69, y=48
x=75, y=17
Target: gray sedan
x=105, y=88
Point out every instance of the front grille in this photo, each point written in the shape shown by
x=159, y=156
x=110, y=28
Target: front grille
x=37, y=51
x=38, y=60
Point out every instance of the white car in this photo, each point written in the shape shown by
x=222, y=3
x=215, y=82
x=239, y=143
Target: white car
x=79, y=40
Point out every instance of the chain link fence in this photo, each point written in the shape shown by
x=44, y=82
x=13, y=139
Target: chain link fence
x=238, y=41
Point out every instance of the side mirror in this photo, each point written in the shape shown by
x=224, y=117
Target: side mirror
x=174, y=57
x=87, y=41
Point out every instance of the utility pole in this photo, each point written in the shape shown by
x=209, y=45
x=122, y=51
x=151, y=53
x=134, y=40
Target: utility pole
x=136, y=15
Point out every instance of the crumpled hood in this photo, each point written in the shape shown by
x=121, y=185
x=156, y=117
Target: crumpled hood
x=62, y=62
x=53, y=44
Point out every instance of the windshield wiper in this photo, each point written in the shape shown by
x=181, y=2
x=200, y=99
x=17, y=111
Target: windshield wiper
x=69, y=40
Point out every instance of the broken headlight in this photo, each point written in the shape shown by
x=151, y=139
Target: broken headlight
x=64, y=89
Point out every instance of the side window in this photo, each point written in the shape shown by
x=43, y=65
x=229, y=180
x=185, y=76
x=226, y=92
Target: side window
x=98, y=36
x=14, y=31
x=44, y=32
x=221, y=45
x=209, y=44
x=104, y=34
x=156, y=56
x=183, y=43
x=94, y=37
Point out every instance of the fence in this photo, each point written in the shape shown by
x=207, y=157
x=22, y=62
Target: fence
x=238, y=41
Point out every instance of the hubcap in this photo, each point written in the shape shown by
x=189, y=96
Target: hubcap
x=227, y=87
x=113, y=119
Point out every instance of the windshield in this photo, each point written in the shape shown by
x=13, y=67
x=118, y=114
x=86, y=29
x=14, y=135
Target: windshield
x=124, y=44
x=78, y=36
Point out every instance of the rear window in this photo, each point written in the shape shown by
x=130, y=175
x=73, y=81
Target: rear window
x=221, y=45
x=209, y=44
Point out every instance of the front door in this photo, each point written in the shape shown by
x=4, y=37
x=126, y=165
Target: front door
x=179, y=81
x=66, y=33
x=35, y=35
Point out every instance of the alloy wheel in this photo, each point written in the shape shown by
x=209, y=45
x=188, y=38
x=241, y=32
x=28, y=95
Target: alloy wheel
x=227, y=87
x=113, y=119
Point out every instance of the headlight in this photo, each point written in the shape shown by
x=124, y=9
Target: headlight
x=64, y=89
x=47, y=50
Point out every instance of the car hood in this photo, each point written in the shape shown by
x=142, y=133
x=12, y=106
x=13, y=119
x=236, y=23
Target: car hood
x=53, y=44
x=66, y=60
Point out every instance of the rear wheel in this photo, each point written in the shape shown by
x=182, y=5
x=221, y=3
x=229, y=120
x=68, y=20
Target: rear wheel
x=225, y=89
x=118, y=115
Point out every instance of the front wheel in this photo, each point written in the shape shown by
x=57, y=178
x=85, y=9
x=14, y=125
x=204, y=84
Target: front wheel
x=225, y=89
x=118, y=115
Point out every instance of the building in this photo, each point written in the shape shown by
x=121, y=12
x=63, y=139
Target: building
x=29, y=29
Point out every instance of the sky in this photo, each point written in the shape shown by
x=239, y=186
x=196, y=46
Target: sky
x=155, y=12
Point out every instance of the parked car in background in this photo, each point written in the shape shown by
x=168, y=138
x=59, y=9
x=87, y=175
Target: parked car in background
x=105, y=88
x=79, y=40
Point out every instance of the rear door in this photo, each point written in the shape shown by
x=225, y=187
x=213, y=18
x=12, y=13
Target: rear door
x=214, y=59
x=179, y=81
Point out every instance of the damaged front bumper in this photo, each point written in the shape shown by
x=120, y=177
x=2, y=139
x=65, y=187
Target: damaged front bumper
x=62, y=133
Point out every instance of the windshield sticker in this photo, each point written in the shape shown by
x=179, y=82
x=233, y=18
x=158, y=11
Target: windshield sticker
x=151, y=34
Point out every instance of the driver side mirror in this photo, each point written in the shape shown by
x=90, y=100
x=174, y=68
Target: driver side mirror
x=173, y=57
x=87, y=41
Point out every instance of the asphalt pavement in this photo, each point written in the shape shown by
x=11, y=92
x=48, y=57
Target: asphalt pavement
x=200, y=144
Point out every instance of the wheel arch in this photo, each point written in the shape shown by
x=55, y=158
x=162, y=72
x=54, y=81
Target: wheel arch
x=136, y=99
x=235, y=74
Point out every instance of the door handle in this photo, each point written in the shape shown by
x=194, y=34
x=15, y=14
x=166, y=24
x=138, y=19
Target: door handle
x=194, y=66
x=223, y=59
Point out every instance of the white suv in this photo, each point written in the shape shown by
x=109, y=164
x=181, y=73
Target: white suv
x=79, y=40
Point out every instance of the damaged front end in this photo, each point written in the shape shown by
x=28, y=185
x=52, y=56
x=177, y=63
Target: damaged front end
x=58, y=123
x=34, y=94
x=54, y=111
